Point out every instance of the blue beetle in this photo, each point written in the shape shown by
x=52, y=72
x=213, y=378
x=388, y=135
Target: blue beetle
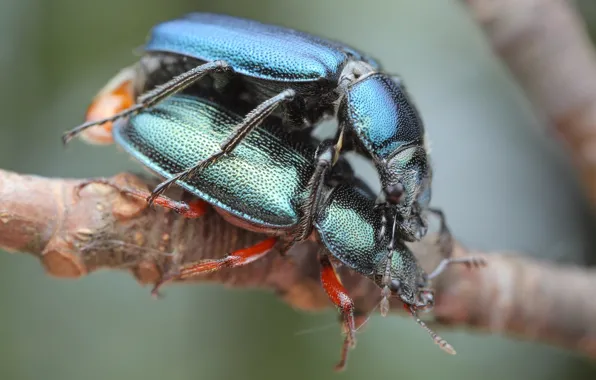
x=263, y=186
x=298, y=76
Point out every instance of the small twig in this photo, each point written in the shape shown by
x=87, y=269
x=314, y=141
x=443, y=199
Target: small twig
x=545, y=45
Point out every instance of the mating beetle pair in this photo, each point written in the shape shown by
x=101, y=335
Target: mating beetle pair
x=299, y=76
x=263, y=177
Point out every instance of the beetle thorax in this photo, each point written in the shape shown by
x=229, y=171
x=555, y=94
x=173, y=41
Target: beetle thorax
x=399, y=275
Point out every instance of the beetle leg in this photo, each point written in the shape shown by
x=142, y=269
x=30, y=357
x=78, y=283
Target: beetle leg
x=445, y=240
x=327, y=155
x=338, y=144
x=235, y=259
x=191, y=210
x=469, y=261
x=315, y=186
x=251, y=120
x=155, y=95
x=340, y=298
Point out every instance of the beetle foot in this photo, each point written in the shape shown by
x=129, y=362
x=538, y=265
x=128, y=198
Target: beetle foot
x=167, y=277
x=101, y=181
x=348, y=343
x=468, y=261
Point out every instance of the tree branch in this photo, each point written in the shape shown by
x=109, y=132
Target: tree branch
x=547, y=48
x=544, y=44
x=101, y=228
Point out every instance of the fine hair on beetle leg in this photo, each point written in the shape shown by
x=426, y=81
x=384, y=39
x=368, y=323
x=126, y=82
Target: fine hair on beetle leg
x=152, y=97
x=386, y=291
x=469, y=261
x=315, y=186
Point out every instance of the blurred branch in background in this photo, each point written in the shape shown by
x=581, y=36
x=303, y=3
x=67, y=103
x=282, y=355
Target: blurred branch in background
x=545, y=45
x=73, y=235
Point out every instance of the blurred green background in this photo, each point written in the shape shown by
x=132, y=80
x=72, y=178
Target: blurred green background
x=502, y=181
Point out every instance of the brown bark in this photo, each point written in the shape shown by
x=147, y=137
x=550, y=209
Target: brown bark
x=101, y=228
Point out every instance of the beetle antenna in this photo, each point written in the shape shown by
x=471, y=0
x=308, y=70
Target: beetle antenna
x=386, y=291
x=69, y=135
x=436, y=338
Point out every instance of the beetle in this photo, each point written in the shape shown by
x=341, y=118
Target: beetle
x=298, y=76
x=262, y=186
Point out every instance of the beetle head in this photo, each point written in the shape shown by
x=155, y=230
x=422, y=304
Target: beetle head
x=400, y=276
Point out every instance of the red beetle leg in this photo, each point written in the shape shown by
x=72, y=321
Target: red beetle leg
x=235, y=259
x=340, y=298
x=191, y=210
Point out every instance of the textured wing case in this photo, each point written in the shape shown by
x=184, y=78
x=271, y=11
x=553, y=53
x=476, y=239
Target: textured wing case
x=262, y=180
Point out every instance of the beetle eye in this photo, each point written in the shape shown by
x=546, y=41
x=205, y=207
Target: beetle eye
x=394, y=193
x=394, y=286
